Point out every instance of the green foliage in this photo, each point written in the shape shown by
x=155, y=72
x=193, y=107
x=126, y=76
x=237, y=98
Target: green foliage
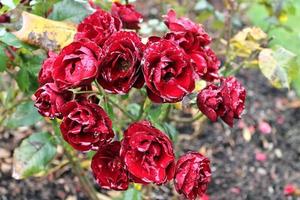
x=42, y=7
x=282, y=25
x=8, y=5
x=3, y=59
x=71, y=10
x=25, y=115
x=33, y=155
x=132, y=194
x=10, y=39
x=278, y=66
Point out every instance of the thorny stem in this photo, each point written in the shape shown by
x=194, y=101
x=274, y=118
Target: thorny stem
x=86, y=184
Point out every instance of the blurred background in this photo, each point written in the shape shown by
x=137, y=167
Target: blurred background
x=256, y=40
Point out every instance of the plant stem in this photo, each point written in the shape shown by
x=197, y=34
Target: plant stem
x=107, y=98
x=121, y=109
x=86, y=184
x=188, y=120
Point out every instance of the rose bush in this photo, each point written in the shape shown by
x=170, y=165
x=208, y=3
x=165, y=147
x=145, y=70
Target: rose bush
x=105, y=60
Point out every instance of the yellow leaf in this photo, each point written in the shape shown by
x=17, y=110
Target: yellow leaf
x=49, y=34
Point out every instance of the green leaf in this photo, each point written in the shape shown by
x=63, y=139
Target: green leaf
x=109, y=110
x=71, y=10
x=9, y=38
x=23, y=80
x=156, y=111
x=171, y=131
x=10, y=3
x=25, y=115
x=134, y=109
x=33, y=155
x=132, y=194
x=277, y=66
x=3, y=59
x=41, y=7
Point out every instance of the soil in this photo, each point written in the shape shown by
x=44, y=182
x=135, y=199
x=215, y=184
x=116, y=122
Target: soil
x=254, y=160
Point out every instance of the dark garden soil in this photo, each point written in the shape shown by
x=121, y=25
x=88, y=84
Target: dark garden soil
x=250, y=161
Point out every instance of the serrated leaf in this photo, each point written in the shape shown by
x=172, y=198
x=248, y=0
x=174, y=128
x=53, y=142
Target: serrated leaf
x=33, y=155
x=3, y=59
x=277, y=66
x=71, y=10
x=25, y=115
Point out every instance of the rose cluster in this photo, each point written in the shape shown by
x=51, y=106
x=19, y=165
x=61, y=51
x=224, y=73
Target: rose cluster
x=106, y=54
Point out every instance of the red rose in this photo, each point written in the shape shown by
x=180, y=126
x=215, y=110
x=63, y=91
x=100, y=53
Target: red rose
x=120, y=69
x=209, y=101
x=98, y=27
x=192, y=175
x=234, y=95
x=205, y=63
x=45, y=74
x=188, y=34
x=49, y=100
x=226, y=101
x=167, y=71
x=85, y=125
x=148, y=154
x=128, y=15
x=77, y=64
x=109, y=169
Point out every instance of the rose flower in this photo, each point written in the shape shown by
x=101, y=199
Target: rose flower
x=109, y=169
x=167, y=72
x=85, y=126
x=77, y=64
x=148, y=154
x=192, y=175
x=120, y=69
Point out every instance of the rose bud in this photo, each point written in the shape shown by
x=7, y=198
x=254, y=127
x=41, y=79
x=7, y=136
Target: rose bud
x=167, y=72
x=188, y=34
x=98, y=27
x=233, y=95
x=120, y=69
x=209, y=102
x=128, y=15
x=148, y=154
x=49, y=100
x=45, y=74
x=192, y=175
x=77, y=64
x=226, y=101
x=85, y=126
x=205, y=63
x=109, y=169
